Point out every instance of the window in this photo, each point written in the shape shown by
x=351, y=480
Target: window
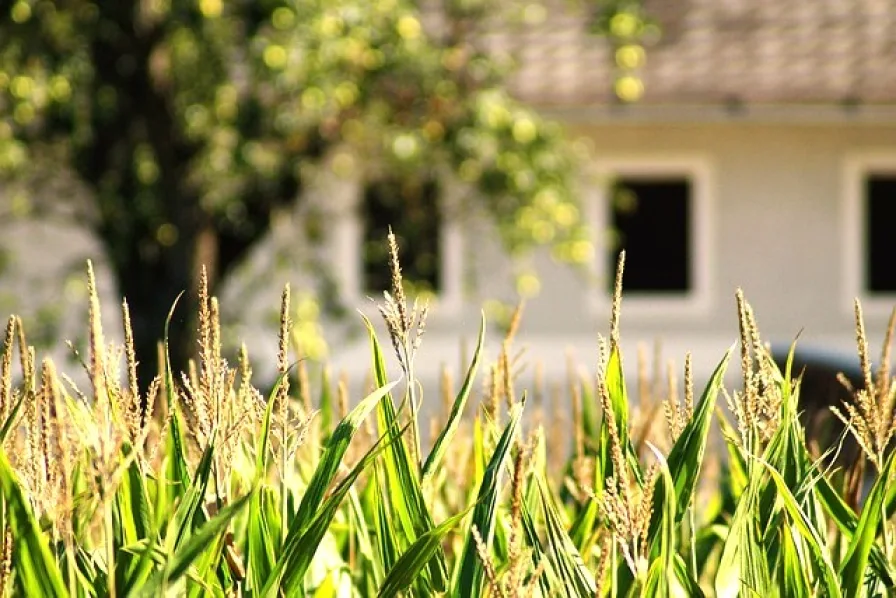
x=869, y=209
x=423, y=215
x=650, y=218
x=658, y=209
x=411, y=208
x=880, y=242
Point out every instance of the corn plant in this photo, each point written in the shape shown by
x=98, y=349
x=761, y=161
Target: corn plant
x=202, y=485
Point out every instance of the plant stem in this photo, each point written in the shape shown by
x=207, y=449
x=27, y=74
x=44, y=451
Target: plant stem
x=284, y=486
x=883, y=520
x=692, y=520
x=412, y=396
x=110, y=549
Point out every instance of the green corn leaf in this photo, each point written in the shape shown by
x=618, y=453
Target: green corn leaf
x=470, y=571
x=686, y=457
x=36, y=571
x=848, y=522
x=743, y=569
x=793, y=578
x=549, y=578
x=310, y=508
x=12, y=418
x=582, y=529
x=735, y=464
x=661, y=571
x=333, y=454
x=810, y=535
x=407, y=513
x=133, y=518
x=200, y=541
x=375, y=573
x=406, y=569
x=386, y=536
x=262, y=449
x=615, y=381
x=855, y=565
x=618, y=396
x=188, y=513
x=457, y=409
x=261, y=539
x=566, y=562
x=210, y=573
x=687, y=586
x=177, y=471
x=392, y=535
x=301, y=544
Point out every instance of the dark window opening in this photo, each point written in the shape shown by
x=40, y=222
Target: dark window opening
x=411, y=208
x=651, y=218
x=880, y=242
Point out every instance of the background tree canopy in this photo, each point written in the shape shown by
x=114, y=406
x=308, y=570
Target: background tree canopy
x=190, y=121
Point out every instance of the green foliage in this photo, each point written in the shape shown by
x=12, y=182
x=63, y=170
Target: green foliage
x=224, y=104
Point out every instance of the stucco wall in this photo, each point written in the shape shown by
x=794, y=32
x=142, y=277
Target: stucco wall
x=778, y=204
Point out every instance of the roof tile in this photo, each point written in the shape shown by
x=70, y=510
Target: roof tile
x=750, y=51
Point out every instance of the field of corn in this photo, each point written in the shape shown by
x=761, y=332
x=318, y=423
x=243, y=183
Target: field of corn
x=202, y=486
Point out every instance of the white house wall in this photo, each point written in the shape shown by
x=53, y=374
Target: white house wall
x=777, y=217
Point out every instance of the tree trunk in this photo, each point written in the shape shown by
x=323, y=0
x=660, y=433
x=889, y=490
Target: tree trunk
x=152, y=281
x=151, y=271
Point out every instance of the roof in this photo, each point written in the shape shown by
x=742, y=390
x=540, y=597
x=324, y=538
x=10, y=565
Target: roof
x=715, y=51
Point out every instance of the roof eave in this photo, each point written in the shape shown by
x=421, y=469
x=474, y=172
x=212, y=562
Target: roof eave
x=728, y=113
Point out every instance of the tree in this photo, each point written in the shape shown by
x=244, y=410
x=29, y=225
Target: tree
x=189, y=123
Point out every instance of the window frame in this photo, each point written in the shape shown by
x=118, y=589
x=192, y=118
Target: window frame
x=856, y=169
x=696, y=301
x=346, y=246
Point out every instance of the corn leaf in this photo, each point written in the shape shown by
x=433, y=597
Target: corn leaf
x=687, y=585
x=331, y=459
x=470, y=571
x=12, y=418
x=34, y=564
x=662, y=570
x=195, y=546
x=809, y=534
x=566, y=562
x=615, y=381
x=686, y=457
x=188, y=515
x=262, y=449
x=261, y=539
x=743, y=569
x=457, y=409
x=408, y=567
x=178, y=476
x=132, y=523
x=407, y=514
x=301, y=544
x=854, y=567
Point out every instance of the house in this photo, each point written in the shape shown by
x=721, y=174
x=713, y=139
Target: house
x=761, y=155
